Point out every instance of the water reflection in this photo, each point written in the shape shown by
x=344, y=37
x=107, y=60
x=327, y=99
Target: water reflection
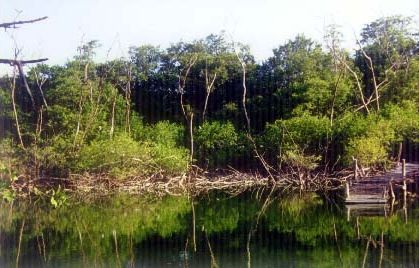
x=127, y=231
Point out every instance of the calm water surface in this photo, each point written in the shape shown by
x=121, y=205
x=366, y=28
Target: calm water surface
x=132, y=231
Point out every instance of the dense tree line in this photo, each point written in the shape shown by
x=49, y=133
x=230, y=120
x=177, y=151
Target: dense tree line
x=208, y=102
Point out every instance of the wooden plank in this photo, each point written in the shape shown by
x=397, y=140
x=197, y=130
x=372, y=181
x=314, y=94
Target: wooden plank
x=367, y=210
x=366, y=201
x=373, y=190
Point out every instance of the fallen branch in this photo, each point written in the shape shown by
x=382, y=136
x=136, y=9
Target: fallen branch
x=194, y=183
x=13, y=24
x=21, y=62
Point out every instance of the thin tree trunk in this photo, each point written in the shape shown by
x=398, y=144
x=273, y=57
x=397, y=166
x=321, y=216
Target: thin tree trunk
x=40, y=84
x=19, y=243
x=209, y=86
x=191, y=135
x=79, y=117
x=193, y=227
x=364, y=261
x=334, y=98
x=128, y=101
x=243, y=65
x=399, y=154
x=205, y=105
x=25, y=82
x=182, y=106
x=112, y=117
x=358, y=83
x=19, y=134
x=116, y=248
x=374, y=80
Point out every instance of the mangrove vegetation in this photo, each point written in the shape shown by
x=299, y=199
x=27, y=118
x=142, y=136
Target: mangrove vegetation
x=206, y=106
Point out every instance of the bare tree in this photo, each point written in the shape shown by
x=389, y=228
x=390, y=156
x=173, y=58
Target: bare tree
x=13, y=87
x=332, y=38
x=188, y=115
x=243, y=66
x=18, y=66
x=209, y=86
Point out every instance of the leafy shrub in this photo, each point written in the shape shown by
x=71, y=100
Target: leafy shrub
x=170, y=158
x=119, y=156
x=9, y=163
x=217, y=143
x=404, y=119
x=296, y=141
x=166, y=140
x=367, y=150
x=165, y=133
x=296, y=158
x=122, y=156
x=367, y=138
x=58, y=156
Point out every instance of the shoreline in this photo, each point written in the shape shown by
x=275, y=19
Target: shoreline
x=193, y=183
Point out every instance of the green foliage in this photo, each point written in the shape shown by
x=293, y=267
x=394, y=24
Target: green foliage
x=403, y=85
x=122, y=156
x=217, y=142
x=146, y=60
x=58, y=155
x=170, y=159
x=367, y=138
x=10, y=168
x=8, y=195
x=118, y=155
x=404, y=119
x=6, y=112
x=166, y=140
x=304, y=105
x=368, y=150
x=298, y=141
x=9, y=161
x=58, y=197
x=165, y=133
x=295, y=158
x=326, y=90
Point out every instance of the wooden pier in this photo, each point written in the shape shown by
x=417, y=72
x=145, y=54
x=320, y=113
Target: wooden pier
x=379, y=189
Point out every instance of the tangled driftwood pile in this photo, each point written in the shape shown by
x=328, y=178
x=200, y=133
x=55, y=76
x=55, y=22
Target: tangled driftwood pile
x=195, y=182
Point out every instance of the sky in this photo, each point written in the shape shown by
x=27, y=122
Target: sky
x=262, y=24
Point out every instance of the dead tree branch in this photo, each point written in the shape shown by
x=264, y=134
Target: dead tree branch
x=21, y=62
x=243, y=65
x=13, y=24
x=371, y=67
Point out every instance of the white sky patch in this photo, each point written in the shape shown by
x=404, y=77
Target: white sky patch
x=263, y=24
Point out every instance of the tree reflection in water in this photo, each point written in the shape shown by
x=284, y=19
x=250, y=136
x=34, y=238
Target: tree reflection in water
x=127, y=231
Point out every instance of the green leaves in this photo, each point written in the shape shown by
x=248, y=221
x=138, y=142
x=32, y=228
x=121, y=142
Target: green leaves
x=8, y=194
x=217, y=142
x=58, y=198
x=298, y=141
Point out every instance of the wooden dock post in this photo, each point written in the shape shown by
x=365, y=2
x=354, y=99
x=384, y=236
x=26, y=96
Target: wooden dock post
x=399, y=155
x=404, y=167
x=348, y=214
x=385, y=193
x=392, y=195
x=347, y=195
x=404, y=188
x=355, y=169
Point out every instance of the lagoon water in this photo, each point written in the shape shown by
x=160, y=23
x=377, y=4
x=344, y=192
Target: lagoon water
x=133, y=231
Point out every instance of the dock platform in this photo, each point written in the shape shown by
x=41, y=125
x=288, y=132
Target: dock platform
x=379, y=189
